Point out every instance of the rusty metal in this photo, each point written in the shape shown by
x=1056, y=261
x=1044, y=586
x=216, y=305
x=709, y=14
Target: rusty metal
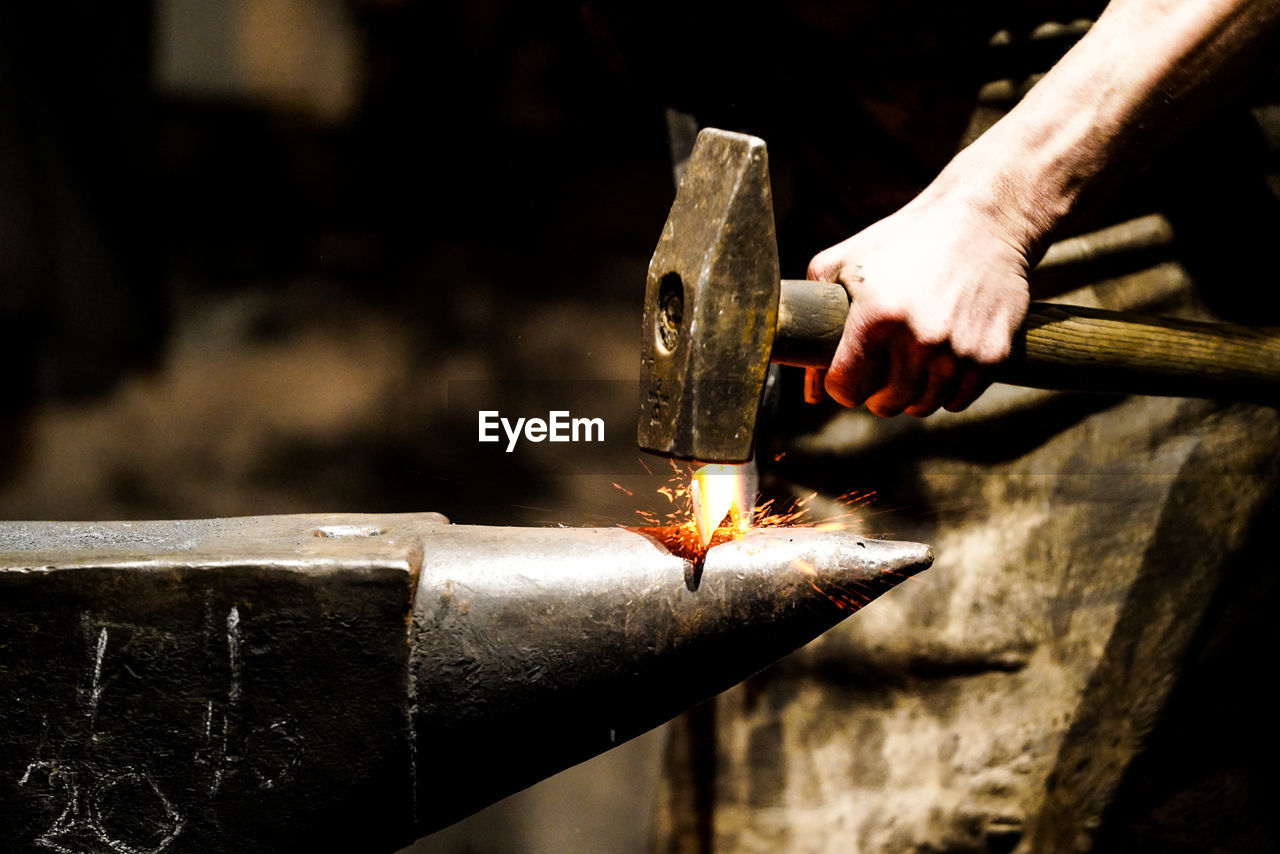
x=711, y=305
x=353, y=682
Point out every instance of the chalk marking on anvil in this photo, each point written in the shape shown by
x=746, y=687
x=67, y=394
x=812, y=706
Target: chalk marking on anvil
x=80, y=827
x=233, y=651
x=281, y=734
x=67, y=782
x=220, y=762
x=130, y=775
x=95, y=685
x=39, y=762
x=235, y=640
x=86, y=787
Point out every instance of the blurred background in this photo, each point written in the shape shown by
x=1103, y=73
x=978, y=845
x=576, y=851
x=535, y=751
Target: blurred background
x=246, y=245
x=254, y=252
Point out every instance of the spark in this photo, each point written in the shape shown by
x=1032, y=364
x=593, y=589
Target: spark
x=676, y=526
x=744, y=513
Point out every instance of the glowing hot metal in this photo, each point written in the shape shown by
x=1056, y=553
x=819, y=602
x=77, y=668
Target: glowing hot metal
x=717, y=492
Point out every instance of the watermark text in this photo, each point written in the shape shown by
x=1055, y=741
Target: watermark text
x=558, y=426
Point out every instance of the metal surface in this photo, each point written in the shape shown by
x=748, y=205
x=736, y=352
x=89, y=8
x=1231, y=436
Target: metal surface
x=353, y=682
x=201, y=686
x=711, y=305
x=538, y=648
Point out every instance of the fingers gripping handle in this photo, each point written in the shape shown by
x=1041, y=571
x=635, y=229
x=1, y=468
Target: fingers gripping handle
x=1073, y=349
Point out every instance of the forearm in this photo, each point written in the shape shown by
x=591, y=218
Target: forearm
x=939, y=288
x=1145, y=69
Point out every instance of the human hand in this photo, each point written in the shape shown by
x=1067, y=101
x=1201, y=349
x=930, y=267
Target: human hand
x=937, y=291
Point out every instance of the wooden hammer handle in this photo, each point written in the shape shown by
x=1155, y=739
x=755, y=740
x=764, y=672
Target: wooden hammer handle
x=1070, y=348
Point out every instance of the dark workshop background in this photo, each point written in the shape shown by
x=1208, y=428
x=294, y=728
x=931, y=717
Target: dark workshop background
x=245, y=247
x=248, y=246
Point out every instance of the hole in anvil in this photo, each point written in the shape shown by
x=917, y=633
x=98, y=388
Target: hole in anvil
x=684, y=543
x=342, y=531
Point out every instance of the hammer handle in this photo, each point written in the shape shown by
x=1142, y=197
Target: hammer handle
x=1070, y=348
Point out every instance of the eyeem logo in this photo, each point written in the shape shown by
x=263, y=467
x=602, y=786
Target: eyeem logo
x=558, y=427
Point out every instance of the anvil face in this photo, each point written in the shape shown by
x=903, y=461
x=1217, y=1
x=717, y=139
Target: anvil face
x=711, y=306
x=201, y=685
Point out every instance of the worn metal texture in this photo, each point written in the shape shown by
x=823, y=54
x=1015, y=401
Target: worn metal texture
x=711, y=305
x=343, y=683
x=544, y=647
x=206, y=686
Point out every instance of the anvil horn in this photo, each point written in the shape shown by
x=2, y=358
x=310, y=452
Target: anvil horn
x=354, y=682
x=535, y=649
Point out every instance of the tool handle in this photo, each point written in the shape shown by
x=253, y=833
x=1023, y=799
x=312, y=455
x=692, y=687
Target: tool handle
x=1071, y=348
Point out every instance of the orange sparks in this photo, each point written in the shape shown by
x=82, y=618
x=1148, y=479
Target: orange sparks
x=698, y=506
x=717, y=503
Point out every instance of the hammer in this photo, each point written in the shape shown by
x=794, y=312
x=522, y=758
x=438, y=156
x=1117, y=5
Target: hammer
x=716, y=313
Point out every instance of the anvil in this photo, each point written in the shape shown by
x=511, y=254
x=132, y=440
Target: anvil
x=353, y=682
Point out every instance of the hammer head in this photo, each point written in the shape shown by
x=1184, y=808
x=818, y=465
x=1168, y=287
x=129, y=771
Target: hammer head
x=711, y=306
